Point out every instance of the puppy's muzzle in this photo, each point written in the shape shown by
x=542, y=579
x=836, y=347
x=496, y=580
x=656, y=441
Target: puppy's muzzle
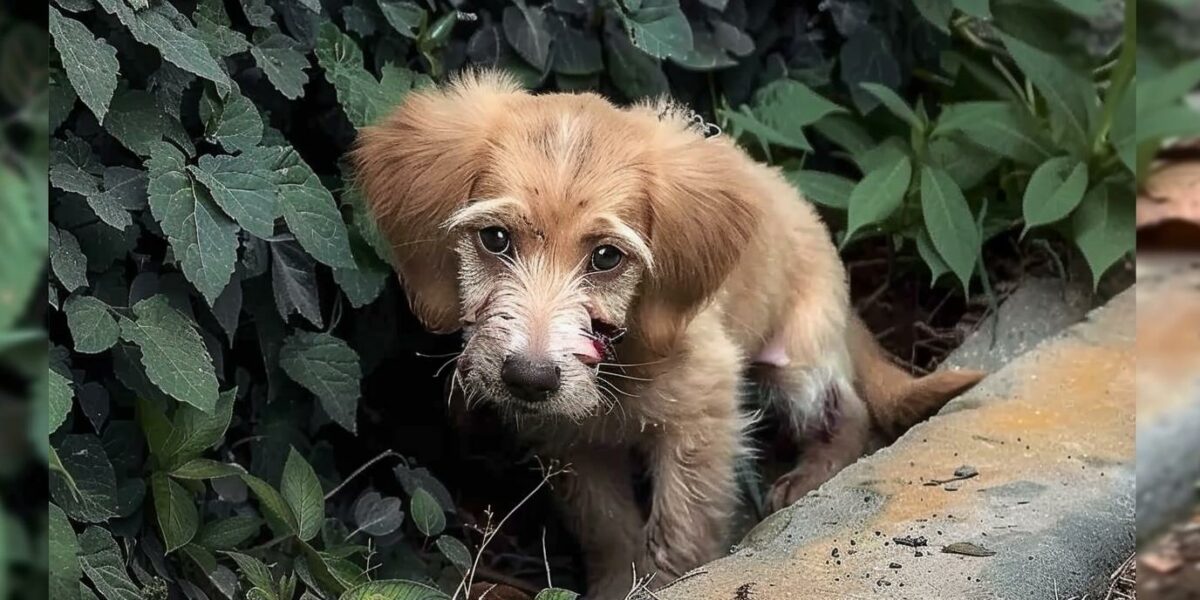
x=530, y=378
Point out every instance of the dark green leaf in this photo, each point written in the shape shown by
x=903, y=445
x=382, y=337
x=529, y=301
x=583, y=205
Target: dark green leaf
x=225, y=534
x=91, y=64
x=1054, y=190
x=895, y=104
x=976, y=8
x=949, y=221
x=929, y=254
x=63, y=551
x=61, y=394
x=393, y=589
x=823, y=188
x=1071, y=96
x=102, y=562
x=88, y=489
x=635, y=73
x=660, y=29
x=787, y=105
x=311, y=212
x=175, y=38
x=879, y=194
x=136, y=121
x=1104, y=228
x=203, y=468
x=243, y=187
x=456, y=552
x=328, y=368
x=556, y=594
x=867, y=57
x=302, y=491
x=747, y=122
x=274, y=508
x=172, y=353
x=294, y=282
x=67, y=260
x=937, y=12
x=194, y=431
x=278, y=56
x=404, y=16
x=1001, y=127
x=526, y=29
x=175, y=511
x=1161, y=90
x=427, y=513
x=232, y=122
x=362, y=97
x=253, y=570
x=93, y=328
x=377, y=515
x=215, y=30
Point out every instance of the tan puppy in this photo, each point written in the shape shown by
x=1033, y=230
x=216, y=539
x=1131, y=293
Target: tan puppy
x=545, y=227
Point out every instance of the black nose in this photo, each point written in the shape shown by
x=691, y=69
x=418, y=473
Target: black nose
x=530, y=378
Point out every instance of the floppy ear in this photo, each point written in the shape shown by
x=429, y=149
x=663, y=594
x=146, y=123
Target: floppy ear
x=415, y=168
x=704, y=209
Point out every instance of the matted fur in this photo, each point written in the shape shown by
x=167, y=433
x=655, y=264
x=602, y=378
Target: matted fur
x=725, y=265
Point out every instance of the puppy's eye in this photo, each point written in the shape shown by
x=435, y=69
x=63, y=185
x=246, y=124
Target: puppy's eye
x=606, y=258
x=495, y=240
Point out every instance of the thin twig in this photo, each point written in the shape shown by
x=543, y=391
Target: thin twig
x=357, y=472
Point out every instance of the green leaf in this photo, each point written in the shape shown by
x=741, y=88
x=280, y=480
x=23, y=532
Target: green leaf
x=635, y=73
x=64, y=549
x=175, y=38
x=92, y=327
x=362, y=97
x=1172, y=122
x=294, y=282
x=66, y=259
x=216, y=31
x=950, y=223
x=556, y=594
x=526, y=30
x=823, y=188
x=173, y=354
x=88, y=489
x=1001, y=127
x=967, y=163
x=660, y=29
x=136, y=121
x=225, y=534
x=193, y=431
x=936, y=12
x=705, y=55
x=1104, y=229
x=202, y=236
x=456, y=552
x=311, y=212
x=203, y=468
x=91, y=64
x=279, y=57
x=845, y=132
x=746, y=121
x=787, y=105
x=929, y=254
x=377, y=515
x=274, y=508
x=232, y=122
x=61, y=396
x=1071, y=97
x=1158, y=91
x=328, y=368
x=976, y=8
x=895, y=104
x=427, y=513
x=102, y=562
x=878, y=195
x=393, y=589
x=175, y=511
x=1054, y=190
x=1124, y=128
x=868, y=56
x=254, y=570
x=404, y=16
x=1083, y=8
x=302, y=491
x=362, y=285
x=243, y=187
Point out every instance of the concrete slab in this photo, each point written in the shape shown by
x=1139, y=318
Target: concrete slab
x=1168, y=384
x=1052, y=438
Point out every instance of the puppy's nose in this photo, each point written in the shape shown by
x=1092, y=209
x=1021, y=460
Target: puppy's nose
x=530, y=378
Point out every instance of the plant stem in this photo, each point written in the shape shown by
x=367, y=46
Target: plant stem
x=1122, y=76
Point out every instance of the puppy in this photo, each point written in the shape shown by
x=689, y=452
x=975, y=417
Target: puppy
x=614, y=273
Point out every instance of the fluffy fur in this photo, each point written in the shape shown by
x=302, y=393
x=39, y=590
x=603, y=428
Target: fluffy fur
x=724, y=266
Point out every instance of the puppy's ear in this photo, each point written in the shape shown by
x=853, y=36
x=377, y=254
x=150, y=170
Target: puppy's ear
x=704, y=209
x=415, y=168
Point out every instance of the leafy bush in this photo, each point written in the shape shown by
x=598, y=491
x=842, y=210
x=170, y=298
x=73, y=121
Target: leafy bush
x=220, y=301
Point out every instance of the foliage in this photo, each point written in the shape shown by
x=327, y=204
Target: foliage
x=220, y=304
x=1168, y=65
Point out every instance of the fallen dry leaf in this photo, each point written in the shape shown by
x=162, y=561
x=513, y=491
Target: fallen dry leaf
x=1161, y=562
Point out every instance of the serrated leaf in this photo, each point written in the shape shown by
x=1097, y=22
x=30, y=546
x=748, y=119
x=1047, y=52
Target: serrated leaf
x=273, y=507
x=364, y=284
x=787, y=106
x=895, y=104
x=203, y=237
x=427, y=513
x=173, y=354
x=64, y=571
x=745, y=121
x=61, y=394
x=660, y=29
x=91, y=64
x=215, y=30
x=253, y=570
x=878, y=195
x=102, y=562
x=136, y=121
x=311, y=212
x=950, y=224
x=456, y=552
x=93, y=328
x=204, y=468
x=328, y=368
x=176, y=39
x=228, y=533
x=243, y=187
x=1054, y=190
x=175, y=512
x=193, y=431
x=279, y=57
x=822, y=188
x=67, y=260
x=556, y=594
x=1104, y=229
x=404, y=16
x=88, y=489
x=393, y=589
x=302, y=491
x=377, y=515
x=294, y=282
x=1071, y=96
x=233, y=122
x=362, y=97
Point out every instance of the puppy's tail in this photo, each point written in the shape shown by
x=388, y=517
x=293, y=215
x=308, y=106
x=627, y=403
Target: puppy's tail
x=895, y=399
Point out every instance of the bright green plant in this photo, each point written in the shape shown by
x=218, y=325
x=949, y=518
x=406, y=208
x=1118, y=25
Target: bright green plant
x=219, y=304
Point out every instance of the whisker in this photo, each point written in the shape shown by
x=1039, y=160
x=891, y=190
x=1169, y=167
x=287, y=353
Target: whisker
x=622, y=376
x=438, y=373
x=423, y=355
x=614, y=388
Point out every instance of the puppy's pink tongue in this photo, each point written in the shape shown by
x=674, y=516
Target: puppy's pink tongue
x=589, y=351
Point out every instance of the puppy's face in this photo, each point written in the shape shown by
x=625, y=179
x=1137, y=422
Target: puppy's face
x=545, y=227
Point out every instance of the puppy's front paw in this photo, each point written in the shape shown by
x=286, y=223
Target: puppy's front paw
x=793, y=486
